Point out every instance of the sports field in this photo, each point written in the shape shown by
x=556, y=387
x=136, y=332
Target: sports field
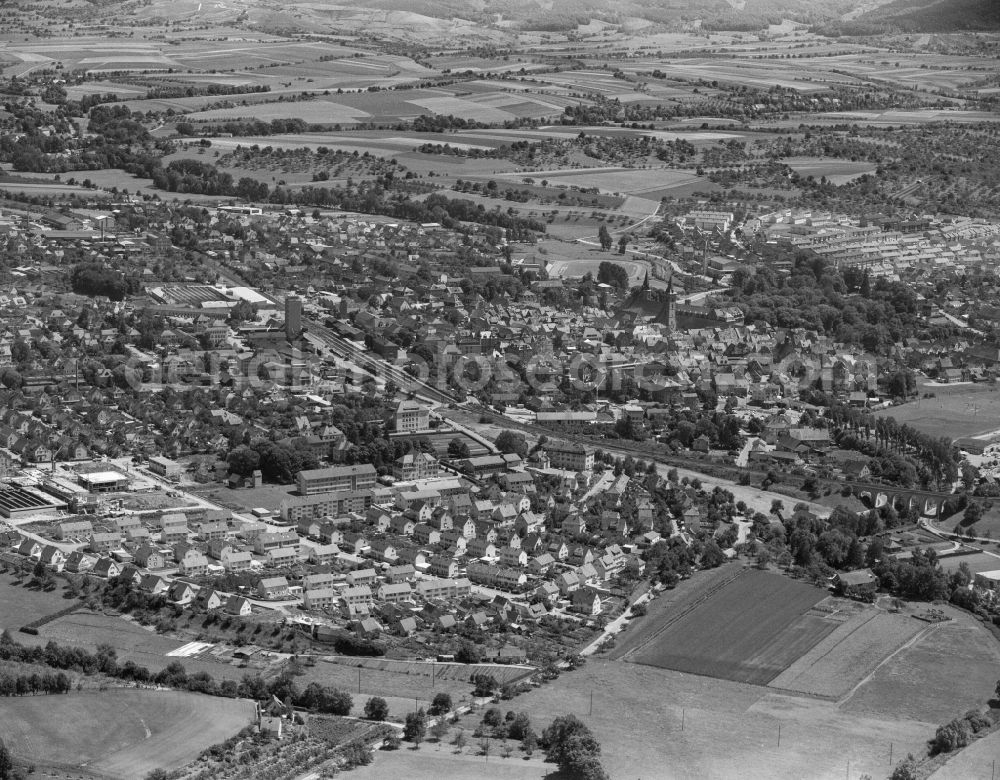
x=836, y=171
x=119, y=733
x=749, y=629
x=956, y=411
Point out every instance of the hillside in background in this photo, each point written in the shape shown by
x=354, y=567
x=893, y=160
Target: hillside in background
x=565, y=15
x=491, y=21
x=923, y=16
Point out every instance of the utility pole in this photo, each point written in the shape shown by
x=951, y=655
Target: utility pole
x=779, y=735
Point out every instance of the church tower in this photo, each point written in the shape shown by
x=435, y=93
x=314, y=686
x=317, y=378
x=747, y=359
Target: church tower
x=671, y=308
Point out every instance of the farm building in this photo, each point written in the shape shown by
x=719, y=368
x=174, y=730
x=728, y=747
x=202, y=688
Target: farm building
x=860, y=584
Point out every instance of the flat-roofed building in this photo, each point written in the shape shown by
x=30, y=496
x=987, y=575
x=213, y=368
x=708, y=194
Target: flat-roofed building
x=104, y=481
x=329, y=480
x=166, y=467
x=297, y=508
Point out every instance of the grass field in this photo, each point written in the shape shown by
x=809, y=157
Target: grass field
x=440, y=762
x=843, y=658
x=665, y=725
x=91, y=629
x=950, y=668
x=963, y=410
x=976, y=562
x=987, y=526
x=119, y=733
x=836, y=171
x=976, y=762
x=20, y=605
x=748, y=630
x=131, y=641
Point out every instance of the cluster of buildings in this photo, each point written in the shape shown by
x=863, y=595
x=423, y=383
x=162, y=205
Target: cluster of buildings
x=884, y=246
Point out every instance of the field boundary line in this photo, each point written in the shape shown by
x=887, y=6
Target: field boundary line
x=905, y=646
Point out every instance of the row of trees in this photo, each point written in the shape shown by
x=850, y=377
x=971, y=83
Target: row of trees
x=35, y=683
x=104, y=660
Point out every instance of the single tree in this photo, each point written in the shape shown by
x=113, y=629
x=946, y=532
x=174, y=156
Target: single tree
x=605, y=238
x=376, y=708
x=415, y=727
x=440, y=705
x=440, y=729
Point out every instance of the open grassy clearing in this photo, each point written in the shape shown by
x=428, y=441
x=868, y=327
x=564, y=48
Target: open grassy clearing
x=438, y=671
x=20, y=605
x=245, y=499
x=90, y=629
x=947, y=670
x=849, y=653
x=988, y=526
x=119, y=733
x=964, y=410
x=131, y=641
x=836, y=171
x=730, y=729
x=441, y=762
x=105, y=178
x=976, y=562
x=650, y=182
x=381, y=682
x=48, y=189
x=749, y=630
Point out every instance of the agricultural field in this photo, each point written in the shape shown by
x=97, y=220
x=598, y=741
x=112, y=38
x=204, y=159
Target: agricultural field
x=311, y=111
x=658, y=723
x=768, y=612
x=842, y=659
x=950, y=668
x=956, y=411
x=119, y=733
x=651, y=183
x=388, y=107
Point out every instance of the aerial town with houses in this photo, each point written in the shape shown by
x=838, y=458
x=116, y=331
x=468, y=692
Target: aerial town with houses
x=143, y=430
x=615, y=391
